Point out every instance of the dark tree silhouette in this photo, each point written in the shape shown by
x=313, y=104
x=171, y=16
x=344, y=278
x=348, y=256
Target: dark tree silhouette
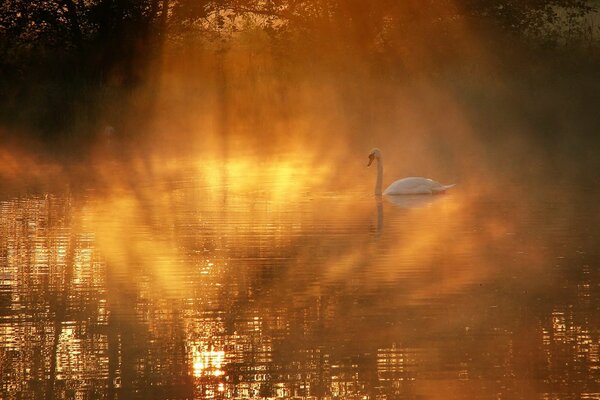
x=112, y=22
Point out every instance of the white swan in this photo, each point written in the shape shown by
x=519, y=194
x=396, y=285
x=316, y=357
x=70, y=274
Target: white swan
x=406, y=185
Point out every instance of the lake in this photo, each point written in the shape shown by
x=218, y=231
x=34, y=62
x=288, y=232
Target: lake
x=196, y=286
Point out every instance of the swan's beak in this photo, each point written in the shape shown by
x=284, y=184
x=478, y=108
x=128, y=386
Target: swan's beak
x=371, y=158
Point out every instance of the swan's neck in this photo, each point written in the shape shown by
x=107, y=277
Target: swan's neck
x=379, y=181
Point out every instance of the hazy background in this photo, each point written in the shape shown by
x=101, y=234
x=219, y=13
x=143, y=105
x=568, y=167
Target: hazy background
x=226, y=219
x=489, y=92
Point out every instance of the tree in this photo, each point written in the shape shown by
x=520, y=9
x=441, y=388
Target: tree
x=122, y=26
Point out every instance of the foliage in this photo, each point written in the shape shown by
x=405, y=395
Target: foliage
x=75, y=23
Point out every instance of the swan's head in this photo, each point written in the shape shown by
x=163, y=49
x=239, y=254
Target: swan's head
x=375, y=154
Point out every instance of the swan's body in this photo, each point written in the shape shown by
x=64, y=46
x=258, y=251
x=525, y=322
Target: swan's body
x=413, y=185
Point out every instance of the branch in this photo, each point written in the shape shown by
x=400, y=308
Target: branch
x=270, y=13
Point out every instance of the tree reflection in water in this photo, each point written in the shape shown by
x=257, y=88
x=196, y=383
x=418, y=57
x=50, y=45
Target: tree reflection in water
x=185, y=295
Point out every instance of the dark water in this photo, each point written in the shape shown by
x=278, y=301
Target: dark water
x=187, y=290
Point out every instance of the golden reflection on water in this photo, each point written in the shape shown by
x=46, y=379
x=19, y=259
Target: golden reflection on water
x=206, y=362
x=230, y=281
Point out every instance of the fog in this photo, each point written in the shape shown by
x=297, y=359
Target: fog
x=458, y=102
x=186, y=208
x=286, y=116
x=235, y=109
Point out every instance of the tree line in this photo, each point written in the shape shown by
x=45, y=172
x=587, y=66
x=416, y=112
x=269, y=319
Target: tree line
x=127, y=29
x=58, y=54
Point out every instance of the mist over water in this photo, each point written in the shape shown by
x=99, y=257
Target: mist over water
x=210, y=230
x=453, y=109
x=198, y=290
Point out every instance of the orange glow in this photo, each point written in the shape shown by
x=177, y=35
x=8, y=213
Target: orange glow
x=206, y=362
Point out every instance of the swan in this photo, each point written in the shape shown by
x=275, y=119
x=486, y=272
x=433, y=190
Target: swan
x=412, y=185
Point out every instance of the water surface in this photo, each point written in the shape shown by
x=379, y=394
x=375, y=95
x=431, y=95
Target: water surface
x=194, y=288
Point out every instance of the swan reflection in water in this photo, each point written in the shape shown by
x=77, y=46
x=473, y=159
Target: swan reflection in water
x=413, y=200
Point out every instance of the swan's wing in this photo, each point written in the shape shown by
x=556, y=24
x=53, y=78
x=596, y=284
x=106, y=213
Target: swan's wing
x=409, y=183
x=416, y=185
x=412, y=185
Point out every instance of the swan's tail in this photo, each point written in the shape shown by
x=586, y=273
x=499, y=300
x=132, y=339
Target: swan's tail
x=443, y=188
